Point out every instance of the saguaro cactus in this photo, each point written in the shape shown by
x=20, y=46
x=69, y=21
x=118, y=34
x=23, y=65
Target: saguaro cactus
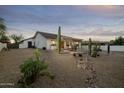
x=90, y=46
x=59, y=40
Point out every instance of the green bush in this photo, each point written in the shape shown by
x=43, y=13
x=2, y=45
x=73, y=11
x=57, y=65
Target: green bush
x=13, y=46
x=5, y=49
x=94, y=53
x=31, y=69
x=96, y=50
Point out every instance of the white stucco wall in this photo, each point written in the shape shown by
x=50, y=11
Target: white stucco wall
x=24, y=44
x=40, y=41
x=3, y=45
x=49, y=42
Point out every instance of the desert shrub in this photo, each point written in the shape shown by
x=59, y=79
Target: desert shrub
x=5, y=49
x=74, y=54
x=31, y=69
x=44, y=48
x=13, y=46
x=80, y=55
x=33, y=47
x=96, y=50
x=94, y=53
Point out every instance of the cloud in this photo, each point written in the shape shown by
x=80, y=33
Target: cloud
x=105, y=11
x=37, y=14
x=17, y=31
x=100, y=32
x=75, y=20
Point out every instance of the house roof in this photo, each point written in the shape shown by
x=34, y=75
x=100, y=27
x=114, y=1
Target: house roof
x=48, y=35
x=52, y=36
x=27, y=39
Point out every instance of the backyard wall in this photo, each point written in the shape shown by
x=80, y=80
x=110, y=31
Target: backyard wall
x=3, y=45
x=104, y=48
x=113, y=48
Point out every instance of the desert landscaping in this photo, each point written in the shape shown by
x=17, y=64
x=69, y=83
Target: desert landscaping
x=108, y=69
x=61, y=46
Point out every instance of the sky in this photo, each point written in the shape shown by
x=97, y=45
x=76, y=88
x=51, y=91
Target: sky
x=101, y=23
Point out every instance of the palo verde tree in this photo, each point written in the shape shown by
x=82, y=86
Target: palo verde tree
x=119, y=41
x=3, y=37
x=2, y=27
x=16, y=38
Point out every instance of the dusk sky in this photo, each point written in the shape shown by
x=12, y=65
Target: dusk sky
x=98, y=22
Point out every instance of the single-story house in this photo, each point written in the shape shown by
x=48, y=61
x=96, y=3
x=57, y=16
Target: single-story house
x=48, y=41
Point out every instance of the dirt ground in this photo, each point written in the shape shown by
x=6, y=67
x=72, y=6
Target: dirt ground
x=109, y=69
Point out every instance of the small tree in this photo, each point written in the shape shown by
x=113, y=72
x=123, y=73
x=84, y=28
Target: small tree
x=96, y=50
x=16, y=38
x=119, y=41
x=4, y=38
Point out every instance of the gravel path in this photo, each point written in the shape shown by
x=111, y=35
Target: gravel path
x=63, y=66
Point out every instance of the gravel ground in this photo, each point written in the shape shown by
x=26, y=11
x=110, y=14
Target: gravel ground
x=108, y=69
x=9, y=65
